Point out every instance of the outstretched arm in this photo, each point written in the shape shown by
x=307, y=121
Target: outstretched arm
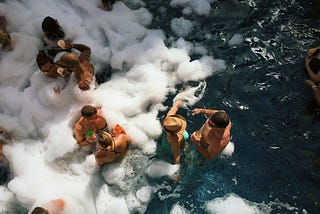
x=173, y=110
x=207, y=112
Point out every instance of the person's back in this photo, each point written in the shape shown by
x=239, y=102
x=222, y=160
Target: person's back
x=175, y=133
x=112, y=147
x=214, y=135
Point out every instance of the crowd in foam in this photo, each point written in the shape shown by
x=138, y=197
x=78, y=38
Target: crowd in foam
x=41, y=109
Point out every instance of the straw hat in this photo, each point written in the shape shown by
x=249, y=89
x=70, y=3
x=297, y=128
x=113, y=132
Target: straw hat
x=175, y=124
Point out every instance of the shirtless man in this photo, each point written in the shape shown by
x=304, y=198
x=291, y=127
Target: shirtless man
x=89, y=125
x=214, y=135
x=112, y=147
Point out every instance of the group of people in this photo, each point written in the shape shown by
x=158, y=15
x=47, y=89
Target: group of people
x=91, y=129
x=210, y=140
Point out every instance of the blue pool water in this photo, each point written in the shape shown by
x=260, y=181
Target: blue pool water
x=275, y=126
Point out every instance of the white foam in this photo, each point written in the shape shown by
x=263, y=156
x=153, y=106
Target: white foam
x=45, y=159
x=162, y=168
x=231, y=204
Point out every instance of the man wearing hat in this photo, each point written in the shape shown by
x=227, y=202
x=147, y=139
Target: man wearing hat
x=214, y=135
x=175, y=133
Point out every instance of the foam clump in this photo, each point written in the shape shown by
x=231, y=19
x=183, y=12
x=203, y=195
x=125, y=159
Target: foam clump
x=161, y=169
x=228, y=151
x=231, y=204
x=236, y=39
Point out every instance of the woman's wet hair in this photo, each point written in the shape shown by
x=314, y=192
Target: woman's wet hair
x=88, y=111
x=105, y=139
x=220, y=119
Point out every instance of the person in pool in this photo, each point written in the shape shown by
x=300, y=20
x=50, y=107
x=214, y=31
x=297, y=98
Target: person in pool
x=112, y=147
x=214, y=135
x=175, y=133
x=89, y=125
x=312, y=65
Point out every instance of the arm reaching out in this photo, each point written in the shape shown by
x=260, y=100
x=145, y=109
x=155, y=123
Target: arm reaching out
x=174, y=108
x=207, y=112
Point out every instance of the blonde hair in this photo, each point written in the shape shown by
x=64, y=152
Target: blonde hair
x=105, y=139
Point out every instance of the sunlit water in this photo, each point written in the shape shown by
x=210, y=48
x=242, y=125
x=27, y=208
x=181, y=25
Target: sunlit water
x=275, y=164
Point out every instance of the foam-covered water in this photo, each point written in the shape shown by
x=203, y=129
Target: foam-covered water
x=242, y=56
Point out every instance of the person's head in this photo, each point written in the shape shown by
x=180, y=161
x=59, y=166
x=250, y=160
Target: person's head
x=52, y=29
x=315, y=63
x=5, y=39
x=39, y=210
x=174, y=124
x=219, y=119
x=105, y=139
x=68, y=60
x=88, y=111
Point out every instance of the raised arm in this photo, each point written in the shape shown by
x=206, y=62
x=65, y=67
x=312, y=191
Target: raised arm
x=207, y=112
x=173, y=110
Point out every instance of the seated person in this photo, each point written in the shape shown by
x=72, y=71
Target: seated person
x=4, y=163
x=214, y=135
x=5, y=39
x=175, y=133
x=69, y=62
x=52, y=207
x=89, y=125
x=112, y=147
x=312, y=65
x=52, y=34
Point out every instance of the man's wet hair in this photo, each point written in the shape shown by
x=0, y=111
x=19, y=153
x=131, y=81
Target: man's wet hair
x=39, y=210
x=88, y=111
x=220, y=119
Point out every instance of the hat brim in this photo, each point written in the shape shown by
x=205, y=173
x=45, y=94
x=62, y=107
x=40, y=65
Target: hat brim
x=183, y=123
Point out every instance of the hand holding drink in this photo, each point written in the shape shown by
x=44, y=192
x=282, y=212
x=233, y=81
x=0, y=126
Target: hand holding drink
x=90, y=136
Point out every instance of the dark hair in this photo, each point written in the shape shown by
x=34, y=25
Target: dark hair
x=39, y=210
x=88, y=111
x=315, y=65
x=220, y=119
x=52, y=29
